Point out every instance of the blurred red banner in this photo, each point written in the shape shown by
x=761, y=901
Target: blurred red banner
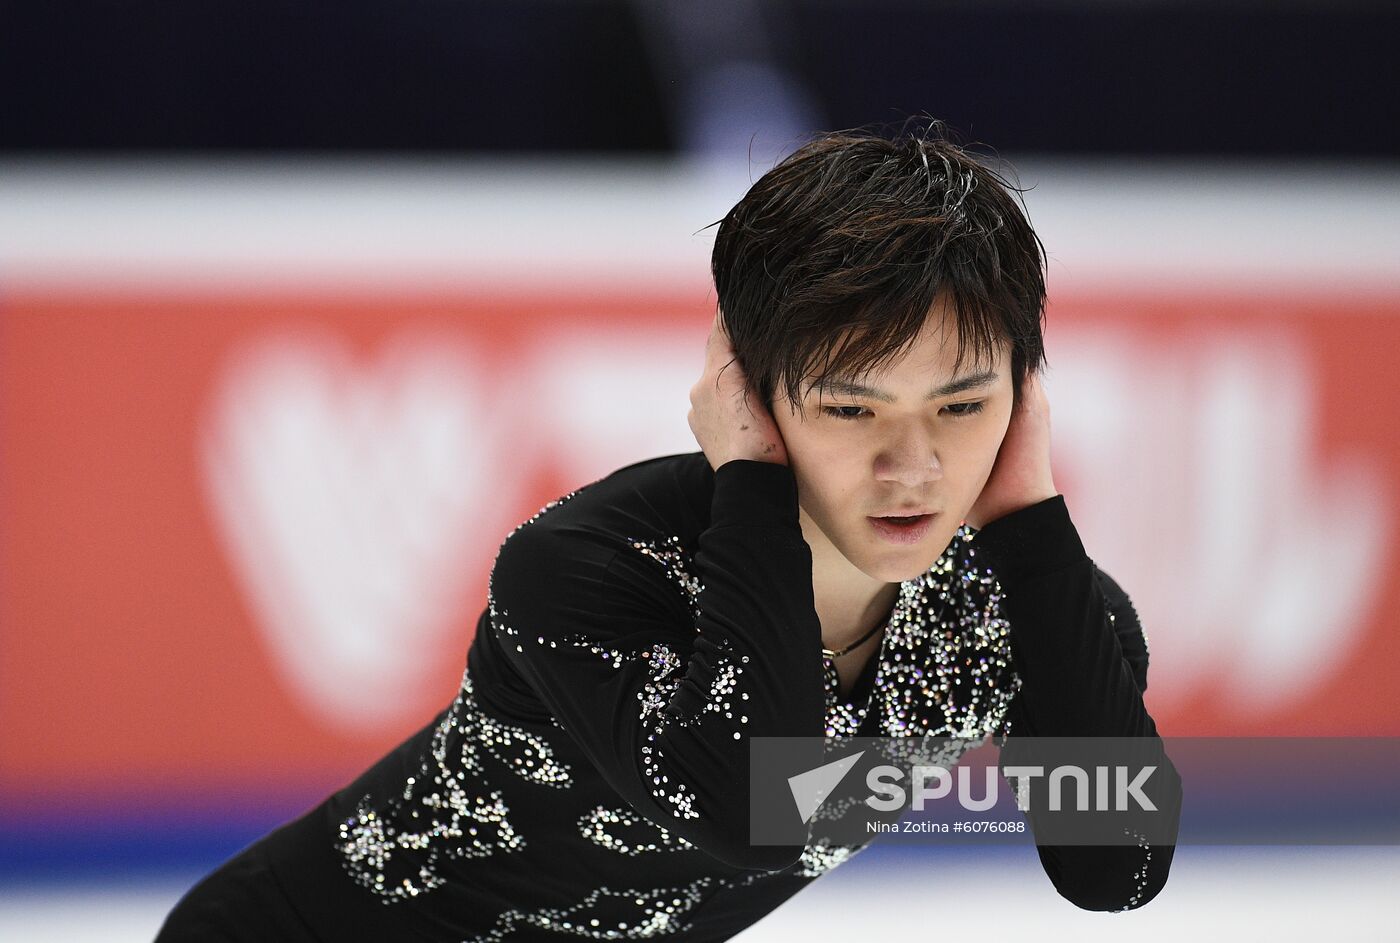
x=245, y=539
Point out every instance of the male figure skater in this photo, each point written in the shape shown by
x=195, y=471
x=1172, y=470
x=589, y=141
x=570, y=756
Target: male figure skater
x=868, y=542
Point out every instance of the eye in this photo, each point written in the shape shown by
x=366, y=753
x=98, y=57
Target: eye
x=965, y=409
x=838, y=412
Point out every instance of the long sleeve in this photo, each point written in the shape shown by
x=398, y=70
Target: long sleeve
x=1081, y=655
x=662, y=661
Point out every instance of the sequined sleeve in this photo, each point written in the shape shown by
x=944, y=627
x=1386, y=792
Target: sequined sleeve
x=661, y=661
x=1081, y=654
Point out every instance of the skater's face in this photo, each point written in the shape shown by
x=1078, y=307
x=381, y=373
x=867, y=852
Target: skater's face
x=915, y=438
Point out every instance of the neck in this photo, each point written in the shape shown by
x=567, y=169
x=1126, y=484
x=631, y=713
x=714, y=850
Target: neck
x=848, y=602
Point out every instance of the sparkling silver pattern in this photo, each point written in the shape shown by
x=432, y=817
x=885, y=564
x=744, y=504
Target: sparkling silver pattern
x=944, y=665
x=496, y=622
x=819, y=857
x=627, y=833
x=943, y=670
x=665, y=672
x=1140, y=875
x=607, y=914
x=675, y=561
x=447, y=809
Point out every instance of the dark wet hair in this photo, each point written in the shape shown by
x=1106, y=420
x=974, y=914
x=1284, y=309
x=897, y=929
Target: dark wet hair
x=835, y=256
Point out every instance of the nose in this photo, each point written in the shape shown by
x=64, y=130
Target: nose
x=910, y=460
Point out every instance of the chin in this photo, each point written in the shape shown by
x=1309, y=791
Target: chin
x=900, y=570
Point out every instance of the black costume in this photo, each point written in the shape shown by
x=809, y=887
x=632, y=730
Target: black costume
x=589, y=779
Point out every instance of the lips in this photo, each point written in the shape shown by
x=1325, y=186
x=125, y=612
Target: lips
x=902, y=529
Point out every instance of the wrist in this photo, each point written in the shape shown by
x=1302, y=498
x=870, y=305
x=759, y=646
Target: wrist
x=1036, y=539
x=979, y=518
x=754, y=493
x=771, y=453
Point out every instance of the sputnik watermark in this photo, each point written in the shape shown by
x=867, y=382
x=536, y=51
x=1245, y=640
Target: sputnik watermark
x=889, y=795
x=1089, y=791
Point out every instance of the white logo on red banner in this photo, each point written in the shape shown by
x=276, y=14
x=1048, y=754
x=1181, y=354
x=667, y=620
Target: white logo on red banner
x=354, y=498
x=1197, y=480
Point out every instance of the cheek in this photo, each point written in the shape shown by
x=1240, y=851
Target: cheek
x=813, y=446
x=991, y=442
x=977, y=457
x=809, y=457
x=830, y=476
x=993, y=446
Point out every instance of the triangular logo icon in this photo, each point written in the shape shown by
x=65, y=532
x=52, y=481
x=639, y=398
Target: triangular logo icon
x=810, y=789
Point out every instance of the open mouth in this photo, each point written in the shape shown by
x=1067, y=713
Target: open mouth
x=902, y=530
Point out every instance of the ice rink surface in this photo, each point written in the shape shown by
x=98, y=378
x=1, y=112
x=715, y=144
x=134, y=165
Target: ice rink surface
x=1215, y=893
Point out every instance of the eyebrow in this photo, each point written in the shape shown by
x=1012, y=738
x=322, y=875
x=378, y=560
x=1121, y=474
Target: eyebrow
x=951, y=388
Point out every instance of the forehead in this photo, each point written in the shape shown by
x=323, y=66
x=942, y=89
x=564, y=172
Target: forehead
x=931, y=355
